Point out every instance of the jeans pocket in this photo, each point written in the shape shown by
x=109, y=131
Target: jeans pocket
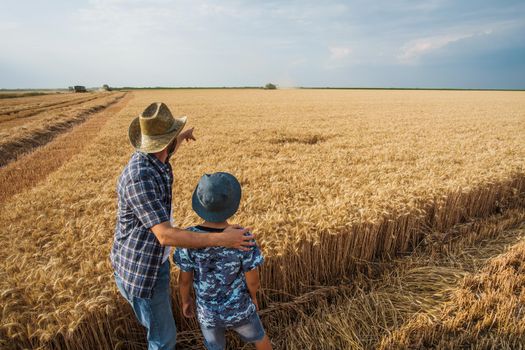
x=252, y=330
x=162, y=284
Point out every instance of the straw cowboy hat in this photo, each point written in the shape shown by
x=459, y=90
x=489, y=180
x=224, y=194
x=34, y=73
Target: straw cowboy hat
x=155, y=128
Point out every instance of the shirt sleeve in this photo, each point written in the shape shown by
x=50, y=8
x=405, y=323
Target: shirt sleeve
x=183, y=260
x=252, y=258
x=144, y=198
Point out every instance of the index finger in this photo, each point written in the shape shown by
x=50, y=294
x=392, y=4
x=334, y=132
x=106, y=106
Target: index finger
x=247, y=233
x=245, y=229
x=249, y=243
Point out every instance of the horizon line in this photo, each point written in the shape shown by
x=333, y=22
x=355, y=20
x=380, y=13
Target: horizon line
x=262, y=88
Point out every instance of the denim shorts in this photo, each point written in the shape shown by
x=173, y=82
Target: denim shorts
x=250, y=330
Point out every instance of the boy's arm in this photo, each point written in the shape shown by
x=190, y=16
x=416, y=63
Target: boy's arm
x=253, y=283
x=185, y=283
x=183, y=259
x=251, y=259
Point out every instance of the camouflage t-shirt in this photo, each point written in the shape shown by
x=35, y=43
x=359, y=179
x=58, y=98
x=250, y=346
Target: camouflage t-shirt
x=222, y=297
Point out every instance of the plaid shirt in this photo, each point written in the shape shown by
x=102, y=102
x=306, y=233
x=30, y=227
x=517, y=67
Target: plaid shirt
x=144, y=200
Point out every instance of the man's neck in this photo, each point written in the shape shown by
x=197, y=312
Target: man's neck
x=223, y=224
x=162, y=156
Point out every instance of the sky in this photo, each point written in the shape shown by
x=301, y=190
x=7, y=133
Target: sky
x=382, y=43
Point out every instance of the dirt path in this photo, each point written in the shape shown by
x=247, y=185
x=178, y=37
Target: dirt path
x=32, y=168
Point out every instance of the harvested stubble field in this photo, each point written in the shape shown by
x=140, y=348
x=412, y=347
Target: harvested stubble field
x=17, y=93
x=24, y=107
x=32, y=167
x=39, y=119
x=337, y=184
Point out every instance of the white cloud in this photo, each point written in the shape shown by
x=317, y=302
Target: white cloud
x=8, y=26
x=229, y=42
x=340, y=57
x=124, y=17
x=414, y=49
x=339, y=52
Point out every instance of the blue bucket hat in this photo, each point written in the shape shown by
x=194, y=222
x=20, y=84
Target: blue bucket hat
x=216, y=197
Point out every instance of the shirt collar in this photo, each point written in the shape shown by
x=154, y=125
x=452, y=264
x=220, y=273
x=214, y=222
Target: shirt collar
x=209, y=229
x=164, y=167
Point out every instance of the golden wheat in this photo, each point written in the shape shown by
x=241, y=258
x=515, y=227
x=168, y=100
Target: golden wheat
x=486, y=311
x=382, y=312
x=330, y=179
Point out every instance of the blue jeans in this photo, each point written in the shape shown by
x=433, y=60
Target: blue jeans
x=155, y=314
x=250, y=331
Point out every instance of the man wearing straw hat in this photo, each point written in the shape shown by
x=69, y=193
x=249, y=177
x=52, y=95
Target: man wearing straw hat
x=144, y=232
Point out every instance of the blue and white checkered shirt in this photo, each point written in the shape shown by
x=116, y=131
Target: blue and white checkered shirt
x=144, y=200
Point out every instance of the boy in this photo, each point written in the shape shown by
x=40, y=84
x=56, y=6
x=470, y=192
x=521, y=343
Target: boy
x=225, y=280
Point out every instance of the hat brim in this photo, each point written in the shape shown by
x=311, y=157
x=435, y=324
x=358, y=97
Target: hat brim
x=223, y=215
x=153, y=144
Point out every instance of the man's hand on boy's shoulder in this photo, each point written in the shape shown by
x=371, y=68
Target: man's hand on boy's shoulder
x=235, y=236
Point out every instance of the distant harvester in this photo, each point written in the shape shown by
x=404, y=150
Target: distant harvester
x=80, y=88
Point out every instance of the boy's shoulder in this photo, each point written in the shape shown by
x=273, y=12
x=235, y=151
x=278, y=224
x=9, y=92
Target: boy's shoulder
x=218, y=251
x=201, y=229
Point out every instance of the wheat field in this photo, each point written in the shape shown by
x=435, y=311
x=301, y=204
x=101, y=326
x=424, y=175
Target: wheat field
x=338, y=186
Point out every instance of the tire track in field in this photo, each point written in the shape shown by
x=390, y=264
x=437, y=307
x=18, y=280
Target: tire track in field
x=32, y=168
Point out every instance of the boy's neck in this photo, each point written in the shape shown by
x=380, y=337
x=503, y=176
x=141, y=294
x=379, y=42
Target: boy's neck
x=223, y=224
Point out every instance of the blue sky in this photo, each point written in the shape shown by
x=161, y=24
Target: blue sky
x=394, y=43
